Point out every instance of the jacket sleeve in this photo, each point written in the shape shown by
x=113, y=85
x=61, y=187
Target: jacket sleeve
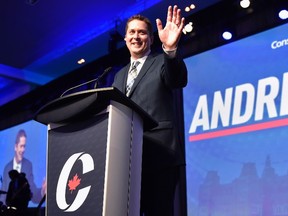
x=175, y=72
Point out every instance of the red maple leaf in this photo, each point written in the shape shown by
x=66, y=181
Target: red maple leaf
x=74, y=182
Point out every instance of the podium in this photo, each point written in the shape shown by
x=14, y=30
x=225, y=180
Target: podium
x=94, y=153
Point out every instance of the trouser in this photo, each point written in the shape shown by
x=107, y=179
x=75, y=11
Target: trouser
x=158, y=191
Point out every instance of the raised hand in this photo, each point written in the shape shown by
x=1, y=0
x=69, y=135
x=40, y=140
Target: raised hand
x=171, y=33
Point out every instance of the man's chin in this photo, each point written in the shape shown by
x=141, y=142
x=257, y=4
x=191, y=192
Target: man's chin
x=137, y=51
x=19, y=160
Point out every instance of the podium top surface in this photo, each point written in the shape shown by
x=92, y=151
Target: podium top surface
x=84, y=103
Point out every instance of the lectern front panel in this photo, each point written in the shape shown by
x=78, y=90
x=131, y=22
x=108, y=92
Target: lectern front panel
x=76, y=167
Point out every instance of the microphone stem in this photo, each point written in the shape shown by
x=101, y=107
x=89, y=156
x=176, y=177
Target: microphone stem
x=94, y=80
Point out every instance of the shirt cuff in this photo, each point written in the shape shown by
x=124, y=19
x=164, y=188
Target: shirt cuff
x=170, y=53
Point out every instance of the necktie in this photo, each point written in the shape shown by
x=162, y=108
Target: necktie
x=131, y=77
x=18, y=168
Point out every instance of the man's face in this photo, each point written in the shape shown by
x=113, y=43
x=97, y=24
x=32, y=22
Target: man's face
x=137, y=38
x=20, y=149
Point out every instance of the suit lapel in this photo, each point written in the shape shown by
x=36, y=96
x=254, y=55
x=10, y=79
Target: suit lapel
x=124, y=78
x=149, y=61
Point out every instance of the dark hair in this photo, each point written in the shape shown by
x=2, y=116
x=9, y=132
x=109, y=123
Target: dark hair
x=13, y=174
x=141, y=18
x=21, y=133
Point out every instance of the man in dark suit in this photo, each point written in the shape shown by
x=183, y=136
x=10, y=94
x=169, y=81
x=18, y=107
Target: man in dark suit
x=22, y=165
x=158, y=76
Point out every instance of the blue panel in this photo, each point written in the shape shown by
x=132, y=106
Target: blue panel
x=236, y=121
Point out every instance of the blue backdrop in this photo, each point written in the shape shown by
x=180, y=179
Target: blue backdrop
x=236, y=109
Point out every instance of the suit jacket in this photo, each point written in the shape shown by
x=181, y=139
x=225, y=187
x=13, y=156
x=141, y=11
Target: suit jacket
x=153, y=92
x=26, y=168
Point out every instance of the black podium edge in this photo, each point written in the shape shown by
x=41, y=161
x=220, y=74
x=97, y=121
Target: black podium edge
x=80, y=104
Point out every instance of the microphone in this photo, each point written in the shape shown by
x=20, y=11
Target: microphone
x=107, y=70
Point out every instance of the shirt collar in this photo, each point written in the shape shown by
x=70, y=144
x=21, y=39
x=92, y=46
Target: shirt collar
x=141, y=60
x=15, y=164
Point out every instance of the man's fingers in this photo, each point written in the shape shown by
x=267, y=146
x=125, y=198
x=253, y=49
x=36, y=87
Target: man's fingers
x=174, y=16
x=169, y=14
x=178, y=17
x=182, y=24
x=159, y=24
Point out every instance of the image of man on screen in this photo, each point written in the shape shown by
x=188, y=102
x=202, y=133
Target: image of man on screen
x=22, y=165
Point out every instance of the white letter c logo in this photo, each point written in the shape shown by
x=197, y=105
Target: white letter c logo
x=88, y=165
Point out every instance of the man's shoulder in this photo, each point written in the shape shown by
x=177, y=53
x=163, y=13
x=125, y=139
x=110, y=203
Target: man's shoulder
x=9, y=165
x=156, y=54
